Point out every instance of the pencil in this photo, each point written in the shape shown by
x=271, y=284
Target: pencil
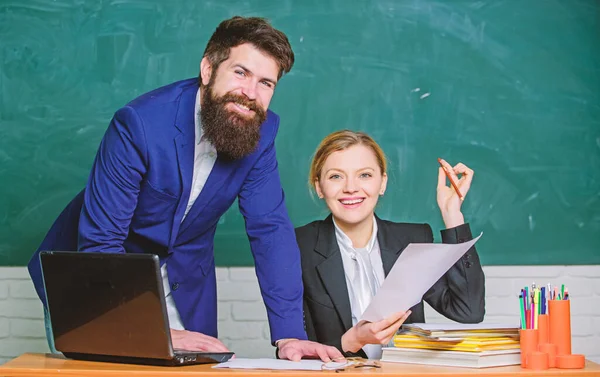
x=451, y=180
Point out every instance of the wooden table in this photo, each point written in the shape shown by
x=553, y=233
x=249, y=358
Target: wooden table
x=34, y=364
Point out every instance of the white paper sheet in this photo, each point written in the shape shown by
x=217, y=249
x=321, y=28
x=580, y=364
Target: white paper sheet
x=273, y=364
x=453, y=326
x=418, y=267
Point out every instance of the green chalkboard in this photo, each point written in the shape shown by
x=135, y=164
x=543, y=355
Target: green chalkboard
x=511, y=88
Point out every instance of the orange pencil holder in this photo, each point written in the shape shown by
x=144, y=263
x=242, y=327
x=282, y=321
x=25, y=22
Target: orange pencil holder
x=550, y=349
x=529, y=343
x=543, y=320
x=559, y=325
x=537, y=360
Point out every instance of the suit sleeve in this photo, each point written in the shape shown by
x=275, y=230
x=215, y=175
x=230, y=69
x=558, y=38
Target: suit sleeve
x=113, y=186
x=308, y=323
x=273, y=245
x=460, y=293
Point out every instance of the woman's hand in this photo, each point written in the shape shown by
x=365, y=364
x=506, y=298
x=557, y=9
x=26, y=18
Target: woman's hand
x=447, y=198
x=372, y=332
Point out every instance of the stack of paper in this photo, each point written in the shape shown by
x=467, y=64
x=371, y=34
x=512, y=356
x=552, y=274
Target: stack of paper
x=452, y=358
x=461, y=330
x=479, y=345
x=470, y=344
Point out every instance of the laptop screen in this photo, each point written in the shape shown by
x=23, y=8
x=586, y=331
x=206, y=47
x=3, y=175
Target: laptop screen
x=107, y=304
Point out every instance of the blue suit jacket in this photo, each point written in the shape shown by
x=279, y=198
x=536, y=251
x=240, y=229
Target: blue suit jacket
x=137, y=193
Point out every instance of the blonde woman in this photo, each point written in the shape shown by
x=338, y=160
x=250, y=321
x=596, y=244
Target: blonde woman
x=346, y=257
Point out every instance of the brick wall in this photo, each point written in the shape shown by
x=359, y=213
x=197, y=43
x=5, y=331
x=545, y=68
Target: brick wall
x=242, y=324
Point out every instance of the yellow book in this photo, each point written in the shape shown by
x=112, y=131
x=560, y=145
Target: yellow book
x=468, y=340
x=460, y=330
x=459, y=348
x=467, y=344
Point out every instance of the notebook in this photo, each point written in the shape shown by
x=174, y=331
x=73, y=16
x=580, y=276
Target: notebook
x=111, y=307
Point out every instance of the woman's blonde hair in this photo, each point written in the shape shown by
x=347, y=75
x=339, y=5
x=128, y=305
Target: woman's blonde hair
x=339, y=141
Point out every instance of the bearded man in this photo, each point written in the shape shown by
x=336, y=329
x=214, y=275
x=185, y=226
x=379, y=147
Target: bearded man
x=172, y=162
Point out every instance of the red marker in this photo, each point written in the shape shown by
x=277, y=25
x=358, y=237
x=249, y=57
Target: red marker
x=451, y=180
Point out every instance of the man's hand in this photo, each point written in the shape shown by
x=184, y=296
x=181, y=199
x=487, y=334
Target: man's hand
x=373, y=332
x=195, y=341
x=294, y=349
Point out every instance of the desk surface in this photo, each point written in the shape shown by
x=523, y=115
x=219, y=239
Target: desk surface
x=33, y=364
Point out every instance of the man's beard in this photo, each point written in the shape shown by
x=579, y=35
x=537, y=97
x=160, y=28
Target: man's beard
x=232, y=134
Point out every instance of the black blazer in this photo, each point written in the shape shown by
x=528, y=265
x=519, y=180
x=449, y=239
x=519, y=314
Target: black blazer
x=458, y=295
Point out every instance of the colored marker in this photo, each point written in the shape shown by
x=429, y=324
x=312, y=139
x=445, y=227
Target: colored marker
x=522, y=312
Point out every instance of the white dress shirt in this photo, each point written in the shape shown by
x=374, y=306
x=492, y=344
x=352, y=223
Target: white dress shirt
x=204, y=160
x=363, y=269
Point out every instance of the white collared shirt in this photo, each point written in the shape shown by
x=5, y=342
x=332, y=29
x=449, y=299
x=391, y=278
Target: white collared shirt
x=364, y=274
x=205, y=156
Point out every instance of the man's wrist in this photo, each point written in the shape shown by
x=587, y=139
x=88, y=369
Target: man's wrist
x=281, y=342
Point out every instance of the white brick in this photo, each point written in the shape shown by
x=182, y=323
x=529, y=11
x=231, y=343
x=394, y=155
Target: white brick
x=223, y=311
x=502, y=306
x=253, y=348
x=597, y=286
x=17, y=347
x=3, y=290
x=586, y=346
x=22, y=289
x=241, y=330
x=222, y=273
x=243, y=274
x=581, y=326
x=527, y=272
x=4, y=328
x=596, y=326
x=504, y=319
x=498, y=287
x=595, y=359
x=14, y=273
x=17, y=308
x=585, y=307
x=266, y=333
x=249, y=311
x=584, y=271
x=577, y=286
x=238, y=291
x=27, y=328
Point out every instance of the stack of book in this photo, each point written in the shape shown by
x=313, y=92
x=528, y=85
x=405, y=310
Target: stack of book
x=450, y=344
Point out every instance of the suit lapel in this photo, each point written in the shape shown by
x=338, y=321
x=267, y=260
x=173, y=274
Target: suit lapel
x=331, y=271
x=184, y=145
x=220, y=172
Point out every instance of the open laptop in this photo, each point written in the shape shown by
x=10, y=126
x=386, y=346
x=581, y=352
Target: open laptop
x=111, y=307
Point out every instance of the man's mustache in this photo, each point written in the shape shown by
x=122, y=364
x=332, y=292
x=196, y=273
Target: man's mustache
x=241, y=100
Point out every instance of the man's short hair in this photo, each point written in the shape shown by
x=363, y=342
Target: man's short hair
x=254, y=30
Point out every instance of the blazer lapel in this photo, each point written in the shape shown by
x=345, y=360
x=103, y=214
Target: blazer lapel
x=331, y=271
x=389, y=246
x=184, y=145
